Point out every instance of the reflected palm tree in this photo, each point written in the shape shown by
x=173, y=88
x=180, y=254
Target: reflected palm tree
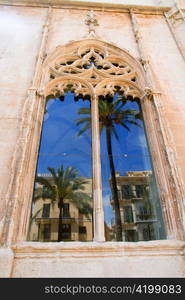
x=33, y=217
x=111, y=114
x=64, y=184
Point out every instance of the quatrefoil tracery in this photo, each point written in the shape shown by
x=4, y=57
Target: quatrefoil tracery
x=90, y=70
x=107, y=65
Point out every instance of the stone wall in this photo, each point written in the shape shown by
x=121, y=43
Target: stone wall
x=22, y=29
x=146, y=259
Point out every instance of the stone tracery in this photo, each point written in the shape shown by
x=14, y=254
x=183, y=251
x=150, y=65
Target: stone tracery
x=102, y=71
x=92, y=69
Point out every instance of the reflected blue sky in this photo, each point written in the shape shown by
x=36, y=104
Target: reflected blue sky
x=130, y=153
x=61, y=145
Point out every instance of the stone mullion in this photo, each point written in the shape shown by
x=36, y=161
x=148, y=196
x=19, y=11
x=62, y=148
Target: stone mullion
x=158, y=136
x=98, y=214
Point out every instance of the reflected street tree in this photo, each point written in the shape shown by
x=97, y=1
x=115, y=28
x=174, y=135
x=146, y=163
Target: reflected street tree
x=111, y=114
x=64, y=183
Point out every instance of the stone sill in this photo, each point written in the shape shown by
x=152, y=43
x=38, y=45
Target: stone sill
x=99, y=249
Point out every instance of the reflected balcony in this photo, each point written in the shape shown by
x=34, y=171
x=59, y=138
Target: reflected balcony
x=145, y=218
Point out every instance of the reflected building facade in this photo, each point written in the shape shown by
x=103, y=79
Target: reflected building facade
x=44, y=221
x=74, y=68
x=137, y=207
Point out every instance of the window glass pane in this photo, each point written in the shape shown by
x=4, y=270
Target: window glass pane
x=128, y=214
x=131, y=200
x=46, y=232
x=46, y=211
x=62, y=198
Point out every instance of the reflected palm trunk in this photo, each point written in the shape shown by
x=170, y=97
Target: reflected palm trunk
x=119, y=236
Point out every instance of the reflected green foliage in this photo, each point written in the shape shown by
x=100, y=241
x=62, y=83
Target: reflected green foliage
x=32, y=219
x=64, y=183
x=111, y=114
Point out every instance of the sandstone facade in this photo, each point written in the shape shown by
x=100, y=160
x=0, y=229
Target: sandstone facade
x=151, y=35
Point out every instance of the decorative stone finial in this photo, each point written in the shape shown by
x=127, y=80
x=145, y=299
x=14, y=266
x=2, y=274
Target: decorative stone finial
x=91, y=21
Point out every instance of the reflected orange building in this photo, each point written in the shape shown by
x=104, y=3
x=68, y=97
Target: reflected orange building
x=44, y=223
x=138, y=211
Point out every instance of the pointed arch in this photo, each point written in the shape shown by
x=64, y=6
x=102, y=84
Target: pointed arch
x=128, y=73
x=92, y=61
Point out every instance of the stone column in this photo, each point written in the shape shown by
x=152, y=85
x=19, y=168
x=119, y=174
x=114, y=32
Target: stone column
x=98, y=214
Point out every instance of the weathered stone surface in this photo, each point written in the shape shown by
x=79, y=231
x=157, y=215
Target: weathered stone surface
x=29, y=34
x=99, y=3
x=143, y=259
x=20, y=31
x=6, y=262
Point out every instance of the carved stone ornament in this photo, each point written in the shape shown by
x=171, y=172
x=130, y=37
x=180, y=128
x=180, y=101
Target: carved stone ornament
x=91, y=21
x=92, y=69
x=175, y=15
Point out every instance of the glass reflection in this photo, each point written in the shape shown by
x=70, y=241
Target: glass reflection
x=62, y=198
x=131, y=201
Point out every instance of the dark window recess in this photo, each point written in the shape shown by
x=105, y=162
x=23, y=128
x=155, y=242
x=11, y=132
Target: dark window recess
x=66, y=210
x=144, y=213
x=139, y=191
x=126, y=191
x=131, y=236
x=148, y=233
x=66, y=231
x=82, y=230
x=46, y=211
x=47, y=232
x=128, y=214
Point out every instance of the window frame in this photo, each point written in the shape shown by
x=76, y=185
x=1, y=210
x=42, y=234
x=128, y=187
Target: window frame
x=165, y=169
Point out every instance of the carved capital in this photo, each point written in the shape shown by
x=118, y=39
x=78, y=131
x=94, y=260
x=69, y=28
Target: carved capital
x=175, y=15
x=144, y=61
x=31, y=91
x=40, y=93
x=149, y=93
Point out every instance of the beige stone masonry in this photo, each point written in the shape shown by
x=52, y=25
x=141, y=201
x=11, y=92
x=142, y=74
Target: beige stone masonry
x=150, y=66
x=142, y=259
x=153, y=5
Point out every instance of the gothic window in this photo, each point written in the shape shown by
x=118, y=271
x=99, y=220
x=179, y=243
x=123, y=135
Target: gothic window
x=94, y=152
x=64, y=170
